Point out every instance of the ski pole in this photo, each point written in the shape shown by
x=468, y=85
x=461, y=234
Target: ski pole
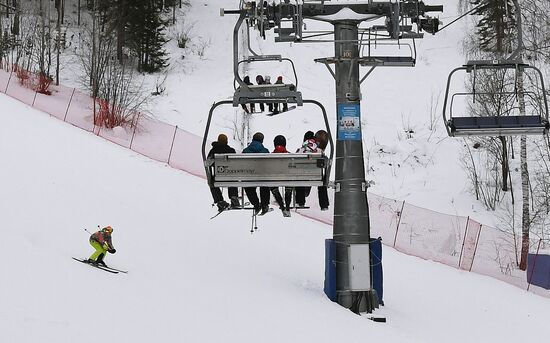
x=89, y=231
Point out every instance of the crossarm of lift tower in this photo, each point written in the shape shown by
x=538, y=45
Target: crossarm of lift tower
x=391, y=20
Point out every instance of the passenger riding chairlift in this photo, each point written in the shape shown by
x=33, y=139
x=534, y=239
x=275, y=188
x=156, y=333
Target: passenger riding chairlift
x=498, y=124
x=265, y=170
x=253, y=94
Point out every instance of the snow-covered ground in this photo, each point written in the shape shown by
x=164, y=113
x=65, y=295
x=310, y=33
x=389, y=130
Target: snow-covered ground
x=193, y=279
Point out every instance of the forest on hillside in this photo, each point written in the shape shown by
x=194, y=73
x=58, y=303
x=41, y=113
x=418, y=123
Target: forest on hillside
x=111, y=41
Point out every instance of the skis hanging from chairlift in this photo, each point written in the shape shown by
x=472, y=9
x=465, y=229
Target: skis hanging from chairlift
x=273, y=113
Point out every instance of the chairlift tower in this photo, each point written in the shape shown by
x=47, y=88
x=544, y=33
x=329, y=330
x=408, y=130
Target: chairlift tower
x=404, y=21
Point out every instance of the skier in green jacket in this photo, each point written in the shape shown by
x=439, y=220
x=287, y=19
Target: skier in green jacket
x=101, y=241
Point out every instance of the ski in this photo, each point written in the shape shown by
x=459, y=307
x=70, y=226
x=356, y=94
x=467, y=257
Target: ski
x=117, y=270
x=262, y=214
x=290, y=108
x=232, y=209
x=240, y=207
x=217, y=214
x=96, y=266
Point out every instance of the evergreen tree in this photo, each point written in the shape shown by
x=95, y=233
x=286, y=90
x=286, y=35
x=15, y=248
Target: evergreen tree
x=145, y=34
x=3, y=46
x=495, y=28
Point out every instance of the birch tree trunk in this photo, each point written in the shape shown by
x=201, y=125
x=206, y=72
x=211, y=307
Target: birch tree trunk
x=525, y=214
x=505, y=166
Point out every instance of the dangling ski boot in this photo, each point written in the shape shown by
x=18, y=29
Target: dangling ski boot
x=265, y=209
x=257, y=209
x=235, y=203
x=99, y=260
x=222, y=205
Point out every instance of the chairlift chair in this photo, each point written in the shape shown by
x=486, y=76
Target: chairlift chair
x=267, y=170
x=499, y=124
x=269, y=94
x=370, y=59
x=251, y=94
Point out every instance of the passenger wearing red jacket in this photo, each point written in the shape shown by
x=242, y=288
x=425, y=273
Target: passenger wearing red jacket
x=280, y=148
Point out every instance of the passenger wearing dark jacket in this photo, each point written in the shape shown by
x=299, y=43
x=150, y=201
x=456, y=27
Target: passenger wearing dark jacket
x=221, y=147
x=276, y=106
x=321, y=138
x=246, y=80
x=260, y=81
x=262, y=204
x=267, y=81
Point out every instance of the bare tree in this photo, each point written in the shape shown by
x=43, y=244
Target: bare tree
x=44, y=40
x=536, y=35
x=95, y=52
x=540, y=189
x=483, y=170
x=117, y=97
x=120, y=98
x=494, y=96
x=33, y=48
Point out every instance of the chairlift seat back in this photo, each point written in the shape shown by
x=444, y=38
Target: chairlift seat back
x=510, y=125
x=388, y=61
x=498, y=126
x=274, y=93
x=269, y=170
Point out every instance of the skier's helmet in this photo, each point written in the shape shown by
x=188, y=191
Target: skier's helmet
x=107, y=229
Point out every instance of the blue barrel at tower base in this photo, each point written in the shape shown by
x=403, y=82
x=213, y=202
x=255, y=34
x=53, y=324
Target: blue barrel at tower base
x=538, y=270
x=330, y=269
x=376, y=268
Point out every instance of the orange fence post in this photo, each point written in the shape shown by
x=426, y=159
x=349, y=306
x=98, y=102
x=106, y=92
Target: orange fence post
x=8, y=84
x=172, y=146
x=34, y=99
x=463, y=242
x=69, y=105
x=134, y=133
x=398, y=222
x=475, y=249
